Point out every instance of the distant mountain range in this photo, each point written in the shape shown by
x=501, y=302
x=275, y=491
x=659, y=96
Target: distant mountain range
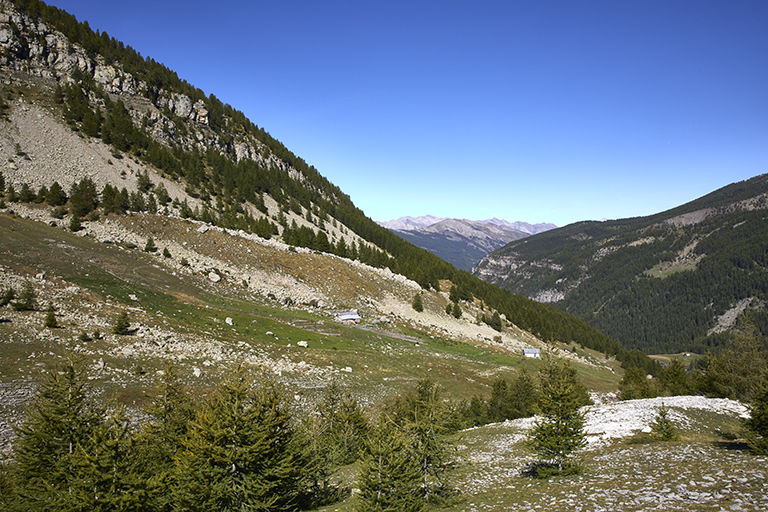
x=461, y=242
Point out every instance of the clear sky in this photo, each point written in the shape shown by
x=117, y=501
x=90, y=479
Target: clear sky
x=537, y=111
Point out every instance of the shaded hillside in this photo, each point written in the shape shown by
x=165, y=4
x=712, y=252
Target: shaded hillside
x=670, y=282
x=214, y=165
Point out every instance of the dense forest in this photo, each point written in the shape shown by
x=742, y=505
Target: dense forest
x=229, y=185
x=658, y=286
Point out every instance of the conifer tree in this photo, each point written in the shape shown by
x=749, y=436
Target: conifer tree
x=108, y=475
x=159, y=440
x=75, y=224
x=239, y=453
x=662, y=428
x=50, y=317
x=757, y=424
x=389, y=478
x=426, y=420
x=121, y=323
x=737, y=371
x=346, y=423
x=560, y=430
x=59, y=426
x=27, y=298
x=150, y=246
x=8, y=295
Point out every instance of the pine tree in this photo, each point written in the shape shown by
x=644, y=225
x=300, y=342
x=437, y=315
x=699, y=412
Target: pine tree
x=75, y=224
x=737, y=371
x=50, y=317
x=560, y=430
x=239, y=453
x=150, y=246
x=59, y=425
x=389, y=475
x=122, y=323
x=56, y=196
x=108, y=475
x=159, y=440
x=456, y=310
x=8, y=295
x=757, y=424
x=662, y=428
x=426, y=420
x=27, y=298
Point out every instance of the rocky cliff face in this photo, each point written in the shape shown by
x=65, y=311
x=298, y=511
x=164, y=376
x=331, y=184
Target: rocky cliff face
x=31, y=47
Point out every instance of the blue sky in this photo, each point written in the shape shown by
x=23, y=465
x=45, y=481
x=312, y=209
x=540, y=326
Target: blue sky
x=538, y=111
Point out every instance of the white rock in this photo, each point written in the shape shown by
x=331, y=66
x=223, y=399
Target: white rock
x=213, y=276
x=229, y=321
x=302, y=344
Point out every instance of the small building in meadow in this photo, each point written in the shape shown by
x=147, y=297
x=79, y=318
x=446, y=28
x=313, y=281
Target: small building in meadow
x=534, y=353
x=347, y=317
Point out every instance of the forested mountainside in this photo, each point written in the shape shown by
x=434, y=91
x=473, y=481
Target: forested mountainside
x=674, y=281
x=233, y=173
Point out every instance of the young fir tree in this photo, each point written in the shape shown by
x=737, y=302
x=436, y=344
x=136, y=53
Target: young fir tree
x=8, y=295
x=109, y=477
x=59, y=426
x=331, y=438
x=426, y=419
x=757, y=424
x=736, y=372
x=56, y=195
x=239, y=453
x=346, y=424
x=560, y=430
x=75, y=224
x=122, y=323
x=50, y=317
x=662, y=428
x=170, y=411
x=27, y=298
x=150, y=246
x=389, y=478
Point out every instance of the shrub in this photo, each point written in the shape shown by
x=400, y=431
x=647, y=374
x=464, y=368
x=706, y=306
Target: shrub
x=417, y=304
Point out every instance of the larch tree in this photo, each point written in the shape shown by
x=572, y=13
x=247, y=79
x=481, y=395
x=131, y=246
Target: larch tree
x=59, y=426
x=559, y=432
x=240, y=452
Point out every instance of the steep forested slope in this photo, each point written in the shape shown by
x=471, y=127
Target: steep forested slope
x=669, y=282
